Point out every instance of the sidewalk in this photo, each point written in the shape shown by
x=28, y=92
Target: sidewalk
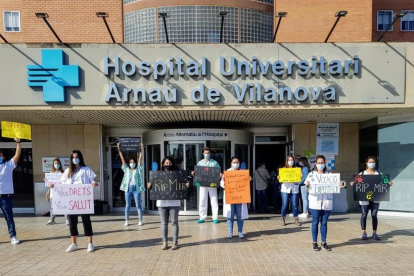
x=268, y=249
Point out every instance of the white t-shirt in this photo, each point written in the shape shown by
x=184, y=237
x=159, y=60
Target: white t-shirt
x=6, y=177
x=289, y=187
x=367, y=173
x=83, y=175
x=132, y=179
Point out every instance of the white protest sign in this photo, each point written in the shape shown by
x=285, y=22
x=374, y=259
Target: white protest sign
x=76, y=199
x=327, y=183
x=52, y=179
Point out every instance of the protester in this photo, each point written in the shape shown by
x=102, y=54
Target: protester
x=6, y=189
x=169, y=209
x=132, y=184
x=367, y=205
x=261, y=176
x=304, y=194
x=290, y=191
x=56, y=168
x=231, y=210
x=79, y=173
x=205, y=192
x=320, y=206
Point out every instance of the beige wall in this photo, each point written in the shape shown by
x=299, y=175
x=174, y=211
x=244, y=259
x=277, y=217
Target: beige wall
x=346, y=162
x=60, y=140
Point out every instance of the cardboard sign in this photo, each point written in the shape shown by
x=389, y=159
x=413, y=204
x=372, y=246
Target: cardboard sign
x=168, y=185
x=76, y=199
x=327, y=183
x=130, y=144
x=207, y=176
x=290, y=175
x=47, y=163
x=371, y=187
x=16, y=130
x=237, y=186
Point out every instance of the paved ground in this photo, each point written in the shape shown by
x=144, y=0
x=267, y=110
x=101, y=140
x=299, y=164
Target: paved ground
x=269, y=249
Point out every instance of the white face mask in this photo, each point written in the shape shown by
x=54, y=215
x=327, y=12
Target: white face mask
x=371, y=165
x=320, y=166
x=235, y=165
x=290, y=163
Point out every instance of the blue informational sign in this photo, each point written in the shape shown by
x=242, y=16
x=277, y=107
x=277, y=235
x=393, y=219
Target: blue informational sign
x=154, y=166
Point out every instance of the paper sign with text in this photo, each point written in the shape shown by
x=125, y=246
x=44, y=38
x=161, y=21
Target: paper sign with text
x=207, y=176
x=16, y=130
x=168, y=185
x=290, y=175
x=76, y=199
x=237, y=186
x=371, y=187
x=327, y=183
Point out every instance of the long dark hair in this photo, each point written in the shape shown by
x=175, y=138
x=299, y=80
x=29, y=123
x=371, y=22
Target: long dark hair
x=72, y=167
x=287, y=160
x=53, y=166
x=370, y=157
x=173, y=165
x=305, y=162
x=135, y=160
x=324, y=159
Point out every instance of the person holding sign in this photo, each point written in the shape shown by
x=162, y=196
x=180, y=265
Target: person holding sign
x=230, y=210
x=205, y=192
x=132, y=184
x=169, y=209
x=56, y=169
x=79, y=173
x=290, y=191
x=367, y=205
x=6, y=189
x=320, y=206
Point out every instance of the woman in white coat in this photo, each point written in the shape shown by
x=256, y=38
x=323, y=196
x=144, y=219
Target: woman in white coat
x=229, y=210
x=320, y=206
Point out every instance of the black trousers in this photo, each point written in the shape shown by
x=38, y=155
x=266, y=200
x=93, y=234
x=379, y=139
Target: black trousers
x=73, y=225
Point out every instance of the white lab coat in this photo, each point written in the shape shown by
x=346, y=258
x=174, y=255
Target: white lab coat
x=227, y=207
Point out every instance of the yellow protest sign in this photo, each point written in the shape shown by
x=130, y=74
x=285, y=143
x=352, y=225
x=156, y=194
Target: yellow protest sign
x=16, y=130
x=290, y=175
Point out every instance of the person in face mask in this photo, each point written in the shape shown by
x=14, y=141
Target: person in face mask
x=206, y=191
x=320, y=206
x=261, y=177
x=132, y=184
x=169, y=209
x=230, y=210
x=290, y=191
x=6, y=184
x=367, y=205
x=56, y=168
x=79, y=173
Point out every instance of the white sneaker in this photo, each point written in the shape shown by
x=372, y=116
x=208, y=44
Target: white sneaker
x=15, y=240
x=72, y=247
x=126, y=223
x=67, y=222
x=303, y=215
x=241, y=236
x=140, y=223
x=291, y=215
x=91, y=248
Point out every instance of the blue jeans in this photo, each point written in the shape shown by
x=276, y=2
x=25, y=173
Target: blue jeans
x=236, y=209
x=322, y=217
x=285, y=202
x=305, y=194
x=7, y=208
x=262, y=200
x=132, y=191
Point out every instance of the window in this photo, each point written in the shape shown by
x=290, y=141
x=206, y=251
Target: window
x=11, y=21
x=407, y=22
x=384, y=19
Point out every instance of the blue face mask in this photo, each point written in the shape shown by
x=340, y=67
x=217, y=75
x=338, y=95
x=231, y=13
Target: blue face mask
x=75, y=161
x=207, y=156
x=371, y=165
x=132, y=165
x=1, y=159
x=320, y=166
x=57, y=166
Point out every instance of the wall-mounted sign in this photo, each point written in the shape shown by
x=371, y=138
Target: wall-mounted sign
x=190, y=135
x=327, y=138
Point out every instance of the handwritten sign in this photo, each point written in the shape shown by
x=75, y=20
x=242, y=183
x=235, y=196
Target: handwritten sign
x=53, y=178
x=237, y=186
x=371, y=187
x=16, y=130
x=207, y=176
x=290, y=175
x=130, y=144
x=76, y=199
x=168, y=185
x=327, y=183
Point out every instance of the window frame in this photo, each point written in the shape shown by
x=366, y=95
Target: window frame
x=401, y=21
x=392, y=16
x=4, y=21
